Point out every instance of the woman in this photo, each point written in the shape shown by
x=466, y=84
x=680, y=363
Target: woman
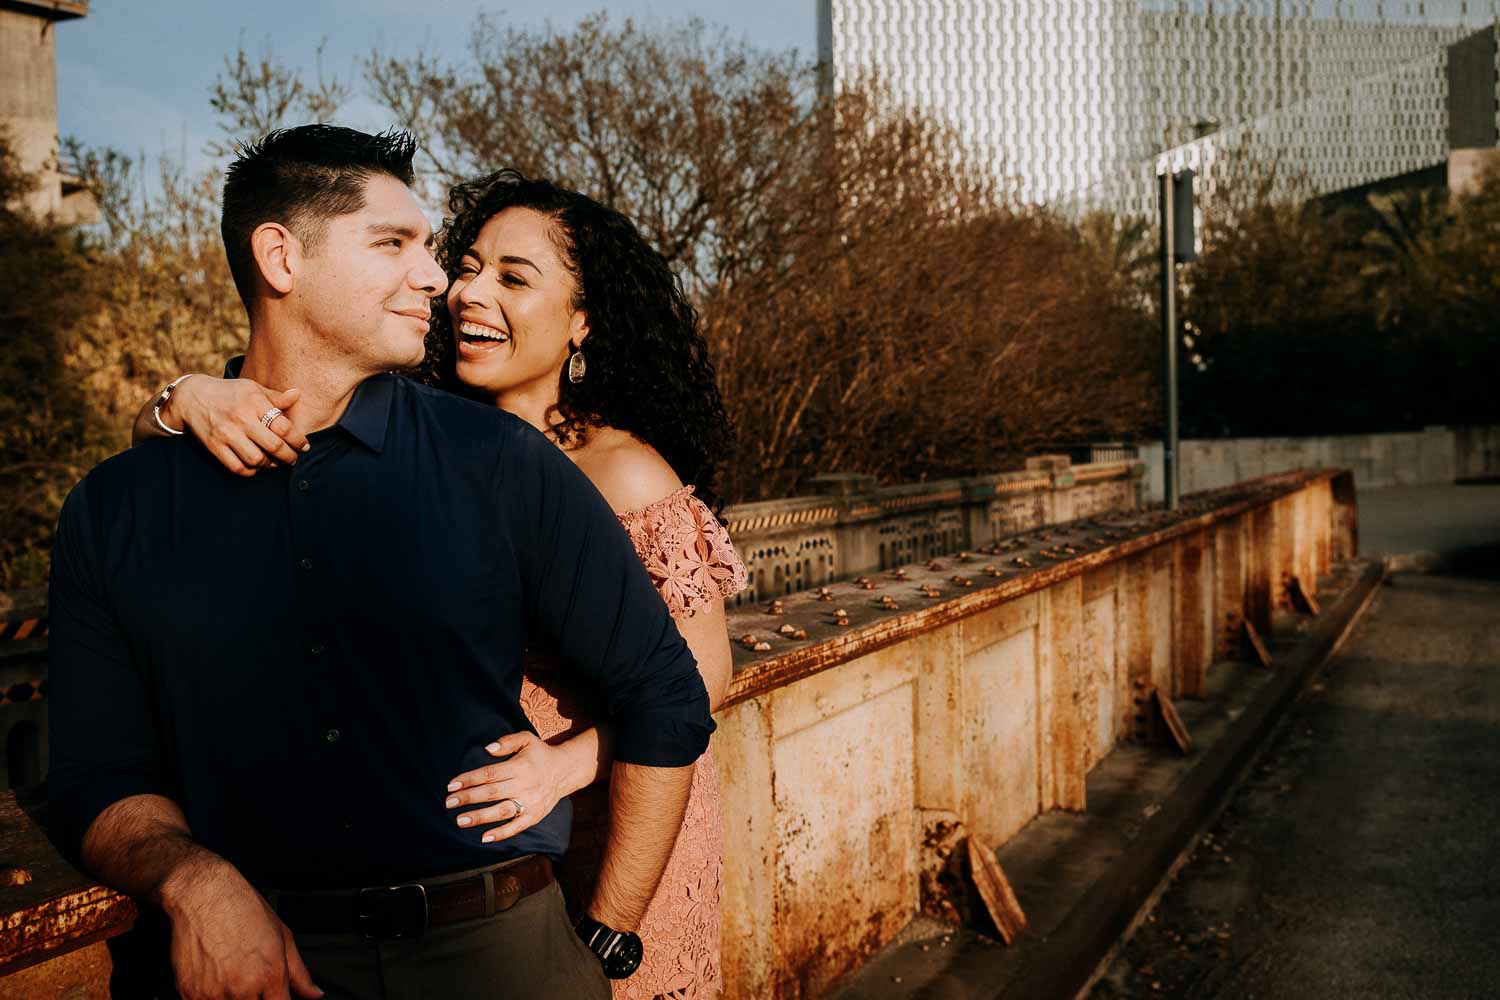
x=561, y=313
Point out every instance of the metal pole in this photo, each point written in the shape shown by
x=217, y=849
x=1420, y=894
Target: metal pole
x=1171, y=487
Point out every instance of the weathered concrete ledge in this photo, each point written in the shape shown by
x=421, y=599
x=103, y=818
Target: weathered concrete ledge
x=1098, y=541
x=848, y=751
x=54, y=920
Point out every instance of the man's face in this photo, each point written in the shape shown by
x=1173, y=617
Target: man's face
x=366, y=288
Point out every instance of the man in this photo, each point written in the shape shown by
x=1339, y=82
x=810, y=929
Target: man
x=261, y=686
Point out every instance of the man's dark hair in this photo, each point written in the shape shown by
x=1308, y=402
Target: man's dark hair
x=302, y=177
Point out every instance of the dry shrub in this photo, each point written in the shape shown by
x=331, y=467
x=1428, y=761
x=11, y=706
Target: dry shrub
x=91, y=325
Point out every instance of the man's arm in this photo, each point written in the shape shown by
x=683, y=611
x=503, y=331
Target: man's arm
x=226, y=941
x=646, y=806
x=586, y=589
x=108, y=794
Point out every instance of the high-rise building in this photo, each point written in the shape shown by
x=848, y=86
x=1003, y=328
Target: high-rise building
x=1076, y=99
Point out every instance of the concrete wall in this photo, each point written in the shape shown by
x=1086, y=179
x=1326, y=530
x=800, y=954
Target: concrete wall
x=1435, y=455
x=28, y=104
x=1476, y=453
x=1467, y=168
x=987, y=709
x=28, y=100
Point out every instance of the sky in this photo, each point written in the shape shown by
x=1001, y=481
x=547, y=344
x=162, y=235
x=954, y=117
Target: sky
x=135, y=74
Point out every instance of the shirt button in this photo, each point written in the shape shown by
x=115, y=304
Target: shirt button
x=303, y=486
x=315, y=649
x=332, y=736
x=305, y=564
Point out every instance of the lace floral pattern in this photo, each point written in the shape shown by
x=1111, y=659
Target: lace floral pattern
x=687, y=552
x=691, y=560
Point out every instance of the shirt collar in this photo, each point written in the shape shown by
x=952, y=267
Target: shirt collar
x=368, y=412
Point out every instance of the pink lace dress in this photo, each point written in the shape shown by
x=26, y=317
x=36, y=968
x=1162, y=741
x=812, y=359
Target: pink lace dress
x=693, y=564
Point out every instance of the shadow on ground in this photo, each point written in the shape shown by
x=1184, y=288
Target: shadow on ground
x=1357, y=859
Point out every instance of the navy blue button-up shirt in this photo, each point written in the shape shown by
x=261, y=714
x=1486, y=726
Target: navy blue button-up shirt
x=305, y=658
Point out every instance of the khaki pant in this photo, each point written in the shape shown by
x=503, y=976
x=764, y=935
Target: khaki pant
x=527, y=951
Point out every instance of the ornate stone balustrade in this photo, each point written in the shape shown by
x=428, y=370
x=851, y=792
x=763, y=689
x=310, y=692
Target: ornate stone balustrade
x=850, y=526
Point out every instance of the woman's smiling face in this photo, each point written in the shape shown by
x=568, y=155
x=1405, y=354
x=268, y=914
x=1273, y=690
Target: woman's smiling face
x=512, y=304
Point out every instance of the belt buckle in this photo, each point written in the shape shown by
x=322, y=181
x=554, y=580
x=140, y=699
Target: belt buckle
x=392, y=912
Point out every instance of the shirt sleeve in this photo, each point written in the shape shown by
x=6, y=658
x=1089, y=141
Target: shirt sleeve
x=103, y=741
x=587, y=592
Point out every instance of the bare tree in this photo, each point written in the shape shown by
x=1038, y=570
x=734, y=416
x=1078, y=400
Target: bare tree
x=687, y=131
x=252, y=96
x=871, y=301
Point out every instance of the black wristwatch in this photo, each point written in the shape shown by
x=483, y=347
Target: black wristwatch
x=619, y=951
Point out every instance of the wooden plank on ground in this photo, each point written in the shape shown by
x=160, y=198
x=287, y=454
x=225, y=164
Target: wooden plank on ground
x=1176, y=728
x=1257, y=644
x=994, y=888
x=1302, y=598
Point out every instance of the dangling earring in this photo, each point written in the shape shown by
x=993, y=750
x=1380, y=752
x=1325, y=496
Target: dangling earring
x=576, y=366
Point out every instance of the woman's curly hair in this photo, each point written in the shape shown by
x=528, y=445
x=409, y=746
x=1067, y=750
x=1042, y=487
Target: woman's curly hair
x=648, y=370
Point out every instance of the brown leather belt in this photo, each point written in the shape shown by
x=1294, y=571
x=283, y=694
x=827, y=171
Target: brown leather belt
x=393, y=912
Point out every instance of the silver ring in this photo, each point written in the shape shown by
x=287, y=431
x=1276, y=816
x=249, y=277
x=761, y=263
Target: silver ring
x=270, y=415
x=520, y=808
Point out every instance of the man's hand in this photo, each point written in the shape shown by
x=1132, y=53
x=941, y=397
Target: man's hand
x=226, y=941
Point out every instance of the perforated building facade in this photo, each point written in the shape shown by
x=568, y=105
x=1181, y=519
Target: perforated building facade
x=1073, y=99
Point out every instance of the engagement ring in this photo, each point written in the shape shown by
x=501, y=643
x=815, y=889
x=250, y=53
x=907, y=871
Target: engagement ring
x=268, y=416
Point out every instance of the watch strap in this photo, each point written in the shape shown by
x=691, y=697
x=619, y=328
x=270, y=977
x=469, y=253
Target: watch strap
x=619, y=952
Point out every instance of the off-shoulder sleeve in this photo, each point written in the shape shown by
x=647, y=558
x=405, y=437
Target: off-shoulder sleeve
x=686, y=551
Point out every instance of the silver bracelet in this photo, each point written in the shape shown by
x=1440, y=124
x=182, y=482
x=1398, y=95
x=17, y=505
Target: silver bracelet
x=161, y=400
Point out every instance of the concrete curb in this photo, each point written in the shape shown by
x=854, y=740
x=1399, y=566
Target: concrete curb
x=1064, y=963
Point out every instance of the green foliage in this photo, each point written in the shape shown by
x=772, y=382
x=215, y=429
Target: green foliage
x=1322, y=317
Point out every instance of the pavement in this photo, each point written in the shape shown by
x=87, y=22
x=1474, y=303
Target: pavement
x=1359, y=859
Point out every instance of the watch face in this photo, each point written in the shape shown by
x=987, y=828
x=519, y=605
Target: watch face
x=624, y=957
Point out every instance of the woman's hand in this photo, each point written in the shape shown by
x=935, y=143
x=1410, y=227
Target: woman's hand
x=225, y=415
x=536, y=776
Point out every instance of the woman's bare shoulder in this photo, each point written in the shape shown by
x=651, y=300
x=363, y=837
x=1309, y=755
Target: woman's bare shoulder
x=629, y=472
